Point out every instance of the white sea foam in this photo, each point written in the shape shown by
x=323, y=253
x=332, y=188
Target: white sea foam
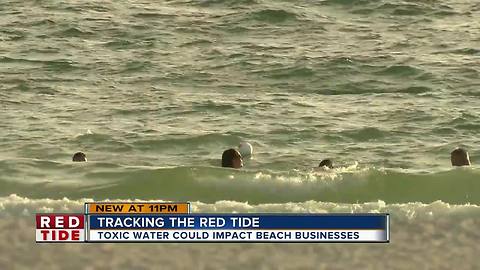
x=423, y=236
x=14, y=205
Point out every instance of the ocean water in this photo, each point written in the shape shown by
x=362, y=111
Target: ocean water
x=154, y=91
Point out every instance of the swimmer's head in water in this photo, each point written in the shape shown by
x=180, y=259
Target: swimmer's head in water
x=79, y=157
x=231, y=158
x=326, y=163
x=459, y=157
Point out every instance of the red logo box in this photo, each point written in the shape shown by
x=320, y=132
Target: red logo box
x=60, y=227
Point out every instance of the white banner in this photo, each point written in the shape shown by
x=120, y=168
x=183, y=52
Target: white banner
x=246, y=235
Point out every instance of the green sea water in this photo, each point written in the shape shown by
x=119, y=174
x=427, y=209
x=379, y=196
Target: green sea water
x=154, y=92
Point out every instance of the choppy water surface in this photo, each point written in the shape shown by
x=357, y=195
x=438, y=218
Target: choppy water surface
x=389, y=84
x=154, y=91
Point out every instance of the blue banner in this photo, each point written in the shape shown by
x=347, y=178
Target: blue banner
x=241, y=221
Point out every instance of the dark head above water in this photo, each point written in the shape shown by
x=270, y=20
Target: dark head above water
x=459, y=157
x=231, y=158
x=79, y=157
x=326, y=163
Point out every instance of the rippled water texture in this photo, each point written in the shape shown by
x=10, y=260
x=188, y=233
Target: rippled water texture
x=154, y=91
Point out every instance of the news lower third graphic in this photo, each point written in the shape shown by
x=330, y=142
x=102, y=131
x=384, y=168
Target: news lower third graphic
x=173, y=222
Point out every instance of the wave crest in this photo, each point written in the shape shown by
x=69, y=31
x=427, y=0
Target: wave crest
x=210, y=184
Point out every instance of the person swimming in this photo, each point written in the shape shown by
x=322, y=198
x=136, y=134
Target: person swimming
x=79, y=157
x=231, y=158
x=459, y=157
x=326, y=163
